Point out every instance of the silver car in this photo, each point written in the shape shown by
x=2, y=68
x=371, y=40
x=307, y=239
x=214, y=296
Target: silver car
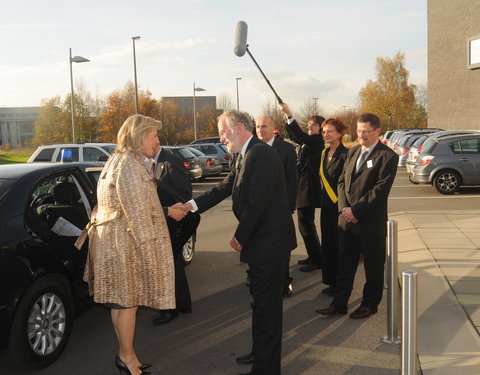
x=210, y=164
x=449, y=162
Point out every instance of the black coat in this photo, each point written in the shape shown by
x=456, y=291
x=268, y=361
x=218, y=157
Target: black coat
x=265, y=225
x=308, y=165
x=288, y=156
x=332, y=171
x=366, y=192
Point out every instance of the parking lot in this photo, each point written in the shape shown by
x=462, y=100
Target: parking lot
x=208, y=340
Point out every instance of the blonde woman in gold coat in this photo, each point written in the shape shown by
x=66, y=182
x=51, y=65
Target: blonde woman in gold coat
x=130, y=257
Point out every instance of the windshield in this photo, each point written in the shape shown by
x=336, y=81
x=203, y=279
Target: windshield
x=109, y=148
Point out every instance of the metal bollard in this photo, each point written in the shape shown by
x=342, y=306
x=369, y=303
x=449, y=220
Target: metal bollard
x=409, y=323
x=393, y=291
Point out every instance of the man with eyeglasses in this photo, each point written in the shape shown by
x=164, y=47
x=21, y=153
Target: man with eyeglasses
x=363, y=190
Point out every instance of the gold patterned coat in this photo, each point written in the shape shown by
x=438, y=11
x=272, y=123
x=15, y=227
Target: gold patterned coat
x=130, y=258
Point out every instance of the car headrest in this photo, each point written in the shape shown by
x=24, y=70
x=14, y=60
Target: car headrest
x=63, y=193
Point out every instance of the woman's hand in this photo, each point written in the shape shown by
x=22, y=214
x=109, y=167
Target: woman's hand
x=176, y=213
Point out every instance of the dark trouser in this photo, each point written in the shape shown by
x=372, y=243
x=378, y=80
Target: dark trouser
x=374, y=252
x=179, y=235
x=329, y=232
x=306, y=226
x=266, y=286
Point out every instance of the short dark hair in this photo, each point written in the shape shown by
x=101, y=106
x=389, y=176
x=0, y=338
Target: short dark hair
x=371, y=118
x=316, y=119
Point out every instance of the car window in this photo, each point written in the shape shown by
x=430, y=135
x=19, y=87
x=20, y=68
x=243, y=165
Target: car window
x=92, y=154
x=195, y=151
x=470, y=146
x=110, y=148
x=403, y=141
x=73, y=150
x=455, y=147
x=419, y=141
x=208, y=150
x=185, y=153
x=45, y=155
x=428, y=146
x=223, y=147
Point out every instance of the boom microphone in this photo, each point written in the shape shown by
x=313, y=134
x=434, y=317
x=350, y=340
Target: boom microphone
x=240, y=39
x=241, y=47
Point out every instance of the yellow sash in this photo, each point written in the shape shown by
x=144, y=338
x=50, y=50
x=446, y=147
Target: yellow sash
x=331, y=194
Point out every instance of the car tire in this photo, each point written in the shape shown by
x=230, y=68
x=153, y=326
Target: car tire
x=447, y=182
x=189, y=249
x=42, y=324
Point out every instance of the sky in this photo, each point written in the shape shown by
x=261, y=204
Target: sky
x=308, y=49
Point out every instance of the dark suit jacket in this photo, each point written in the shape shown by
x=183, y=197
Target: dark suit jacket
x=332, y=171
x=173, y=185
x=308, y=165
x=265, y=226
x=366, y=192
x=288, y=156
x=170, y=172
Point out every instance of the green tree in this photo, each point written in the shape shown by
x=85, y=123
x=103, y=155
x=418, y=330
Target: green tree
x=53, y=125
x=390, y=96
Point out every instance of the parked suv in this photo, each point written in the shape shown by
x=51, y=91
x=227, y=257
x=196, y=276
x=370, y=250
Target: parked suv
x=84, y=152
x=448, y=163
x=189, y=160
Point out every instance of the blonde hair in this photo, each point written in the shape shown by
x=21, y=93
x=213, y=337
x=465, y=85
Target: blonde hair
x=134, y=130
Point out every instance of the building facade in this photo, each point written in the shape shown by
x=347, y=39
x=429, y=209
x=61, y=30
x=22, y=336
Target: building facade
x=453, y=64
x=185, y=103
x=17, y=125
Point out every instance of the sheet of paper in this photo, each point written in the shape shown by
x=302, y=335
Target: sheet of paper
x=63, y=227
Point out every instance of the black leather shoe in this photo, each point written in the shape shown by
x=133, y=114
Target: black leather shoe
x=246, y=359
x=165, y=316
x=362, y=312
x=331, y=310
x=304, y=261
x=310, y=267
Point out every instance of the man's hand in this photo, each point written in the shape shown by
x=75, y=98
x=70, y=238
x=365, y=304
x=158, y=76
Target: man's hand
x=187, y=207
x=176, y=213
x=235, y=245
x=285, y=109
x=347, y=214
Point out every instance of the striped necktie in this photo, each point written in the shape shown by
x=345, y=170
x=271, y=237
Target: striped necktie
x=361, y=160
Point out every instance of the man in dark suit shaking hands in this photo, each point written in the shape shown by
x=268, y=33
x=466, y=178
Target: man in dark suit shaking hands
x=265, y=233
x=363, y=189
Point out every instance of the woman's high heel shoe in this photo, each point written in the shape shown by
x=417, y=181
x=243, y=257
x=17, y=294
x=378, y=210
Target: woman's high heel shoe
x=124, y=369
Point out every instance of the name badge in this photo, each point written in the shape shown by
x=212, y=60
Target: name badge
x=369, y=164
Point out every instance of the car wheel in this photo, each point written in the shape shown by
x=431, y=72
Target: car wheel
x=447, y=182
x=189, y=249
x=42, y=324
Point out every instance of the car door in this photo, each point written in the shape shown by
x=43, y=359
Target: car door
x=469, y=160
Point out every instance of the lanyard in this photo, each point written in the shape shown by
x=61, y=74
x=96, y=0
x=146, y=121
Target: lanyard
x=331, y=194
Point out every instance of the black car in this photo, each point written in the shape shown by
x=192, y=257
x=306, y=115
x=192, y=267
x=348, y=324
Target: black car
x=43, y=206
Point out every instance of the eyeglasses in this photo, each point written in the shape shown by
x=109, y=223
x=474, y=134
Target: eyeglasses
x=365, y=131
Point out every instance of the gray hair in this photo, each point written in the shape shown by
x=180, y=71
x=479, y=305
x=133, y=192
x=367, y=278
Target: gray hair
x=233, y=116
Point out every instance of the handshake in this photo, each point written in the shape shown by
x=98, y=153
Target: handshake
x=179, y=210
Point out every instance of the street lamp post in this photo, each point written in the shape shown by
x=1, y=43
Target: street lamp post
x=195, y=111
x=76, y=59
x=238, y=102
x=134, y=38
x=315, y=104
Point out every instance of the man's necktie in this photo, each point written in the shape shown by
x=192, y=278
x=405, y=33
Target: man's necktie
x=361, y=160
x=238, y=162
